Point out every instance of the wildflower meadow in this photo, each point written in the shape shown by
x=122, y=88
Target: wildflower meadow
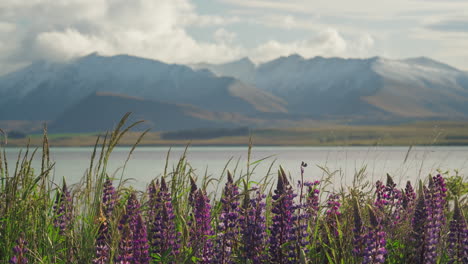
x=181, y=218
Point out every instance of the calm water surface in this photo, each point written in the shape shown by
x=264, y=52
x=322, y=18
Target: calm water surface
x=147, y=163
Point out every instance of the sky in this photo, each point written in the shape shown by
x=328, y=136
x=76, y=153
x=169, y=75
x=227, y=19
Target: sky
x=217, y=31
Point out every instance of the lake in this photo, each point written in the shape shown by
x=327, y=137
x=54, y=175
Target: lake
x=147, y=163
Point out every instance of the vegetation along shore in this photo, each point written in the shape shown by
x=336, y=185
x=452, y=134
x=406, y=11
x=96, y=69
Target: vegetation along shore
x=177, y=220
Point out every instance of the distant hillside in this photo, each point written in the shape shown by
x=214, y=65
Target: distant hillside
x=374, y=90
x=92, y=92
x=101, y=111
x=44, y=90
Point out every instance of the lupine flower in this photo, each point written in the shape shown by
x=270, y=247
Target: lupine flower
x=109, y=197
x=458, y=237
x=435, y=203
x=418, y=227
x=253, y=230
x=312, y=200
x=63, y=210
x=332, y=213
x=228, y=229
x=163, y=234
x=375, y=241
x=410, y=196
x=389, y=201
x=20, y=251
x=102, y=242
x=282, y=221
x=305, y=213
x=125, y=255
x=138, y=242
x=200, y=239
x=358, y=229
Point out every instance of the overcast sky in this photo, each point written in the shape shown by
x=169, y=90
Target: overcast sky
x=185, y=31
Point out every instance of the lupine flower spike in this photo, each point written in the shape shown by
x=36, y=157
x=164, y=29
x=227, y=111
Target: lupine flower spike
x=435, y=204
x=20, y=251
x=458, y=237
x=254, y=230
x=164, y=237
x=201, y=241
x=282, y=221
x=102, y=241
x=133, y=234
x=375, y=241
x=228, y=229
x=63, y=210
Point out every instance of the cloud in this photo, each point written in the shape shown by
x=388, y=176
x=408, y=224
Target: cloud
x=449, y=26
x=157, y=29
x=328, y=42
x=221, y=35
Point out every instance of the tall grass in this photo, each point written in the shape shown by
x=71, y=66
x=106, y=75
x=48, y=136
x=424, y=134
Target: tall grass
x=176, y=220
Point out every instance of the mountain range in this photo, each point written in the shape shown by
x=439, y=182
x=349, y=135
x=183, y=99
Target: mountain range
x=90, y=93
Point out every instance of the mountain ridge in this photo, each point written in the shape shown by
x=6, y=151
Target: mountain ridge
x=289, y=88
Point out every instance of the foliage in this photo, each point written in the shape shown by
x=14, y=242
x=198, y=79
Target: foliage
x=176, y=220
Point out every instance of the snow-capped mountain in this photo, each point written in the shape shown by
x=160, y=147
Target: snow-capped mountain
x=44, y=90
x=374, y=87
x=374, y=90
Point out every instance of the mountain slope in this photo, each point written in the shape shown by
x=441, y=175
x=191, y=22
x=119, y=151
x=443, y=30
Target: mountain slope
x=43, y=90
x=102, y=110
x=374, y=89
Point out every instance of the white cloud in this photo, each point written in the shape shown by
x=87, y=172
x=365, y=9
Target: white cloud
x=328, y=42
x=221, y=35
x=60, y=30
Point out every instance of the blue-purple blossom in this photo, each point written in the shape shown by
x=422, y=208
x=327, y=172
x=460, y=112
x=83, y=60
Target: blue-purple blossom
x=435, y=204
x=63, y=210
x=418, y=227
x=374, y=241
x=281, y=228
x=458, y=237
x=200, y=239
x=165, y=240
x=332, y=213
x=125, y=253
x=358, y=229
x=253, y=230
x=136, y=235
x=102, y=242
x=20, y=251
x=109, y=197
x=228, y=228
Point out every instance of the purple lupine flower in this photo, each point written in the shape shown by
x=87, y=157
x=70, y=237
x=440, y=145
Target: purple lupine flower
x=282, y=221
x=109, y=197
x=435, y=203
x=458, y=237
x=409, y=196
x=125, y=254
x=140, y=242
x=375, y=241
x=332, y=213
x=63, y=210
x=228, y=229
x=136, y=233
x=358, y=229
x=418, y=227
x=20, y=251
x=163, y=234
x=102, y=242
x=253, y=230
x=312, y=200
x=201, y=236
x=389, y=201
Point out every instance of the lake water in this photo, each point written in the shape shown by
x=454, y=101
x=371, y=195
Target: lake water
x=147, y=163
